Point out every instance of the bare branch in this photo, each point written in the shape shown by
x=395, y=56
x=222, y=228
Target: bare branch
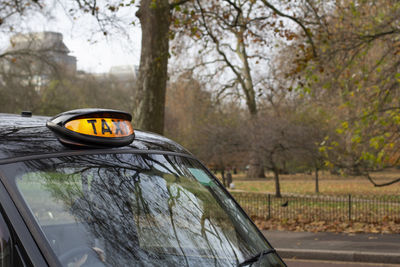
x=383, y=184
x=306, y=31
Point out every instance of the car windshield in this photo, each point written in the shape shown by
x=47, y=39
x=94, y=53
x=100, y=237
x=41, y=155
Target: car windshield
x=136, y=210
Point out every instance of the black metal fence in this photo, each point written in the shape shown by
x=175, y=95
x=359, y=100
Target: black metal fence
x=369, y=209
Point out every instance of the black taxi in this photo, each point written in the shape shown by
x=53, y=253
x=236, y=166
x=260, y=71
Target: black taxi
x=85, y=189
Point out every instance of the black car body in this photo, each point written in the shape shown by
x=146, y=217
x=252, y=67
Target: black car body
x=148, y=203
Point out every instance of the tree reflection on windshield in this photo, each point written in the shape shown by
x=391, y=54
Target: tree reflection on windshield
x=152, y=210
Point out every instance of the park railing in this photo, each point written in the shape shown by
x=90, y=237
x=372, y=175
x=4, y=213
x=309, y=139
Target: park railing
x=344, y=208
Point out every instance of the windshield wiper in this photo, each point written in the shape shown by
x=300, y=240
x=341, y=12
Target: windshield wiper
x=256, y=257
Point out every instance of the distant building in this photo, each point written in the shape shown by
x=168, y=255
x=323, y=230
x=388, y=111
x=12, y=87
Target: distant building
x=122, y=76
x=124, y=72
x=32, y=59
x=43, y=48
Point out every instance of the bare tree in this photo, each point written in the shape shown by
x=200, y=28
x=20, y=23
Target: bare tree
x=235, y=40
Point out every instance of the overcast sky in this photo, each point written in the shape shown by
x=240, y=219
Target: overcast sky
x=94, y=51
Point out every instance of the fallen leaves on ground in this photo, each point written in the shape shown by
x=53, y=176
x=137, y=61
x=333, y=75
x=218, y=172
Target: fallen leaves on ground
x=298, y=225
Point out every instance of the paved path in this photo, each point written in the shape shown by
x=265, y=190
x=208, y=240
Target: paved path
x=378, y=248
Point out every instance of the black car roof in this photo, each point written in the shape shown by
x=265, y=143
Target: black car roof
x=24, y=136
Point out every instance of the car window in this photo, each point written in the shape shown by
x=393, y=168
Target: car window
x=5, y=244
x=136, y=209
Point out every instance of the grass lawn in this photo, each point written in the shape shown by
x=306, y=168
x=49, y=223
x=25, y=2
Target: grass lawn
x=328, y=184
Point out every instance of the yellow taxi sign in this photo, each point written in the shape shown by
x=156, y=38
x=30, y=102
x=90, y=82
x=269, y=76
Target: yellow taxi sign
x=93, y=128
x=103, y=127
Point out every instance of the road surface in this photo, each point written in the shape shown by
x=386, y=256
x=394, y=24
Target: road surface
x=314, y=263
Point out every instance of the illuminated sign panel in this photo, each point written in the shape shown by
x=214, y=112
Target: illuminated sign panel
x=103, y=127
x=93, y=128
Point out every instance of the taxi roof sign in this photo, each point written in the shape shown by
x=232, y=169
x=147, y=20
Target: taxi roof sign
x=93, y=128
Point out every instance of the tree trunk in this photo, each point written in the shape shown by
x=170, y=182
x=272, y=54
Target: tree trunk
x=256, y=166
x=148, y=114
x=316, y=181
x=277, y=185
